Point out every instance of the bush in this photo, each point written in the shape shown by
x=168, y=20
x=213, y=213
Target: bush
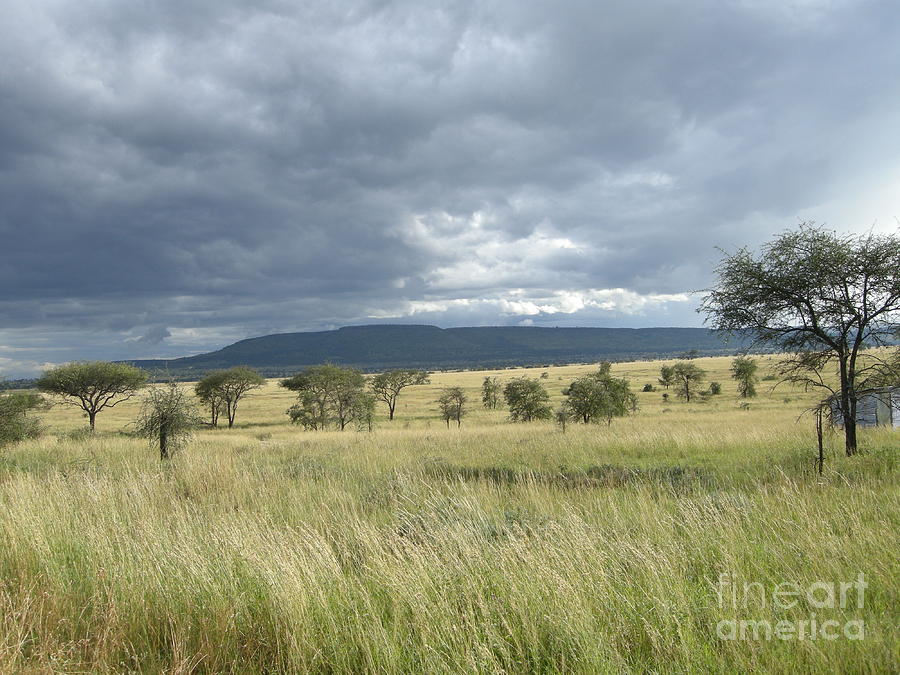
x=648, y=387
x=15, y=424
x=715, y=388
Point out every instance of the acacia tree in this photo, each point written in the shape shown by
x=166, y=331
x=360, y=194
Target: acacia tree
x=388, y=385
x=821, y=297
x=666, y=376
x=326, y=394
x=236, y=383
x=491, y=390
x=599, y=396
x=686, y=378
x=527, y=399
x=226, y=388
x=209, y=391
x=93, y=386
x=743, y=369
x=452, y=404
x=363, y=411
x=167, y=417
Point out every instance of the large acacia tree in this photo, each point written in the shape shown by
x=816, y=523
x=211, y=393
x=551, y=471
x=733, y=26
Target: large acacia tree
x=388, y=385
x=93, y=386
x=824, y=299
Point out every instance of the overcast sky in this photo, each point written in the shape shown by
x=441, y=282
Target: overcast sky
x=176, y=175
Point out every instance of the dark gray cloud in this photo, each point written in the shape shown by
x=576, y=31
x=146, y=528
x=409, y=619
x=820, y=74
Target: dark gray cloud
x=177, y=175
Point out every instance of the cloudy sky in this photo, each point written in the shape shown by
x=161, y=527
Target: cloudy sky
x=179, y=174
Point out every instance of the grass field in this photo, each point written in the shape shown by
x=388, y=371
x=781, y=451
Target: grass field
x=493, y=548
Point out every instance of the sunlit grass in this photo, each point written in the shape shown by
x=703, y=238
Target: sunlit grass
x=495, y=547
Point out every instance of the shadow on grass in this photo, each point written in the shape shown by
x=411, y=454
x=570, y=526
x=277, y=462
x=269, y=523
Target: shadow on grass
x=600, y=476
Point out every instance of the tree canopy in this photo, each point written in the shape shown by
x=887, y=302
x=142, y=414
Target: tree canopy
x=686, y=379
x=226, y=388
x=388, y=385
x=743, y=369
x=452, y=405
x=599, y=396
x=94, y=385
x=824, y=299
x=527, y=400
x=491, y=390
x=327, y=394
x=168, y=417
x=15, y=423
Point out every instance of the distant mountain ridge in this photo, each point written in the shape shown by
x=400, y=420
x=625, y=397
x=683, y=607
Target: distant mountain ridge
x=383, y=346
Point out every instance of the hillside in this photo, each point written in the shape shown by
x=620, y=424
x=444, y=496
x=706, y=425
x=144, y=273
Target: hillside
x=390, y=346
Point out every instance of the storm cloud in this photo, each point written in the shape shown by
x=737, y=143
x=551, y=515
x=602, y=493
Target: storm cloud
x=178, y=175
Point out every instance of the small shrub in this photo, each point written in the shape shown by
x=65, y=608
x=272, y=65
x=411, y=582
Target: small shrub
x=648, y=387
x=715, y=388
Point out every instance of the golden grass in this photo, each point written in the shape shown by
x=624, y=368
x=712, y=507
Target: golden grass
x=492, y=548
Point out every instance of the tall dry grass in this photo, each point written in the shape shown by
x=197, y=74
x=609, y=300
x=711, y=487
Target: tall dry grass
x=495, y=548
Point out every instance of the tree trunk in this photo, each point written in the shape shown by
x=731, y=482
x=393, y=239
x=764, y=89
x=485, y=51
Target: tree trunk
x=848, y=410
x=231, y=412
x=819, y=438
x=92, y=417
x=163, y=442
x=391, y=407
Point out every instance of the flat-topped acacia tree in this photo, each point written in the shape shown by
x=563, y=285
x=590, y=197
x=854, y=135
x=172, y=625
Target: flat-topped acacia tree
x=93, y=385
x=388, y=385
x=822, y=298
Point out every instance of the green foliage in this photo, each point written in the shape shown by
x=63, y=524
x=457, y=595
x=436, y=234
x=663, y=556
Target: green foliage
x=167, y=417
x=15, y=424
x=452, y=405
x=388, y=385
x=363, y=411
x=821, y=297
x=715, y=388
x=527, y=400
x=210, y=392
x=326, y=395
x=491, y=390
x=600, y=397
x=686, y=379
x=94, y=385
x=562, y=415
x=667, y=376
x=743, y=369
x=226, y=388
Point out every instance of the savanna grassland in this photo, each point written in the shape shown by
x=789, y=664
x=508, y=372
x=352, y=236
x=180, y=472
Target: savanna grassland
x=496, y=547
